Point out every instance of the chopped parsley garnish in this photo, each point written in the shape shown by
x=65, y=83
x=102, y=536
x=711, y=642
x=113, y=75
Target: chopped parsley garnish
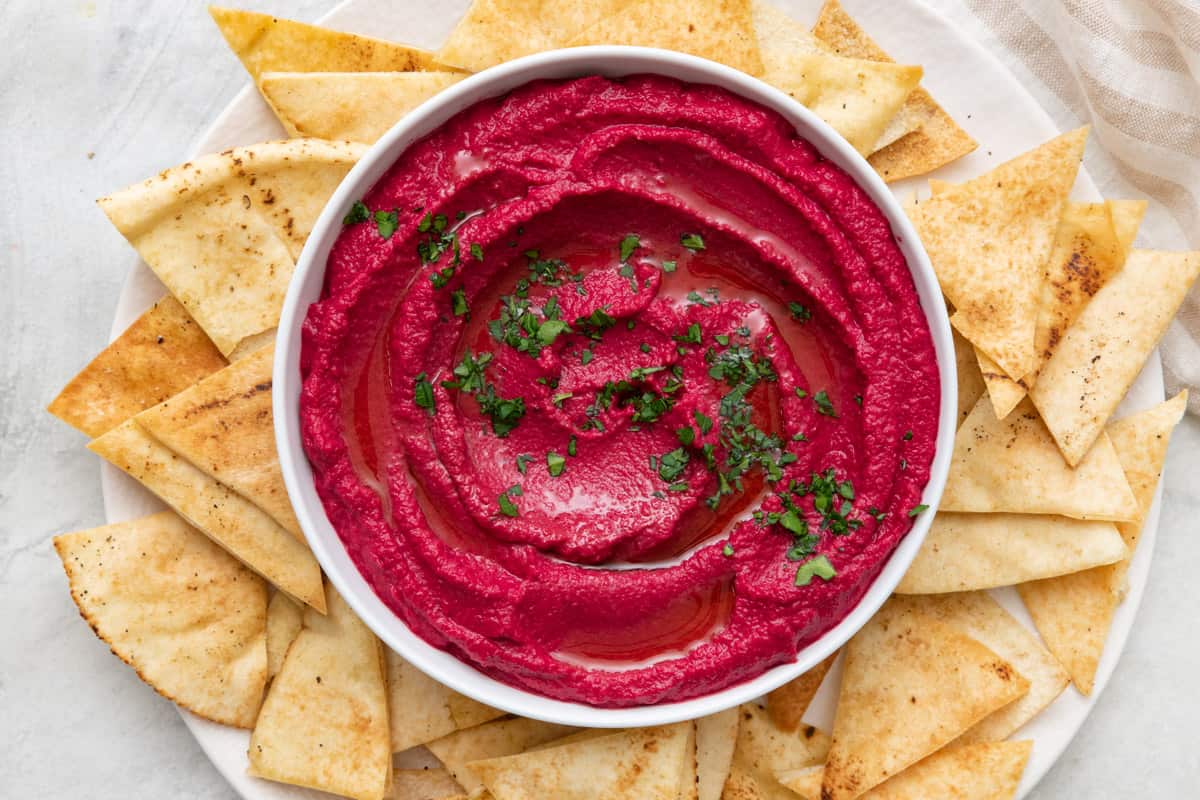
x=572, y=447
x=469, y=373
x=692, y=241
x=801, y=393
x=858, y=398
x=695, y=298
x=915, y=510
x=799, y=312
x=586, y=357
x=549, y=330
x=555, y=464
x=437, y=240
x=546, y=270
x=628, y=245
x=668, y=266
x=386, y=222
x=476, y=252
x=692, y=336
x=649, y=406
x=523, y=462
x=815, y=567
x=738, y=366
x=826, y=491
x=671, y=465
x=722, y=339
x=358, y=213
x=505, y=413
x=727, y=550
x=908, y=436
x=507, y=507
x=876, y=514
x=458, y=302
x=824, y=404
x=705, y=422
x=559, y=398
x=645, y=348
x=686, y=435
x=595, y=323
x=440, y=278
x=423, y=392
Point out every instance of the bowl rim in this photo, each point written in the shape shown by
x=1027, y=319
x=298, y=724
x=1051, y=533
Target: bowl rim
x=305, y=287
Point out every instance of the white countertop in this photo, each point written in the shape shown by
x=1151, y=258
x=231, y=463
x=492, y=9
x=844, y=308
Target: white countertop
x=135, y=84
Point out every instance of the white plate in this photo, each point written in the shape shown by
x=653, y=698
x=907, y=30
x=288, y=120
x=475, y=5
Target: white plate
x=977, y=90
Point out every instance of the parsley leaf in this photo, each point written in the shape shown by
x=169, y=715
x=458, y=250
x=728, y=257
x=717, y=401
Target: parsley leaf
x=692, y=241
x=386, y=223
x=628, y=245
x=816, y=567
x=358, y=213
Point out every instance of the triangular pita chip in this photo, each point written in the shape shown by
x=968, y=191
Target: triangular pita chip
x=504, y=737
x=970, y=381
x=983, y=619
x=716, y=737
x=1087, y=252
x=223, y=426
x=163, y=352
x=230, y=520
x=223, y=231
x=265, y=43
x=1013, y=465
x=981, y=771
x=189, y=619
x=424, y=784
x=424, y=710
x=355, y=106
x=763, y=749
x=988, y=240
x=633, y=764
x=493, y=31
x=284, y=620
x=1074, y=612
x=1100, y=355
x=964, y=552
x=324, y=723
x=719, y=30
x=930, y=137
x=788, y=703
x=911, y=685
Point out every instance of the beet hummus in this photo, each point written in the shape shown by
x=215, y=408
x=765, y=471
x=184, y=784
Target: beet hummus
x=618, y=390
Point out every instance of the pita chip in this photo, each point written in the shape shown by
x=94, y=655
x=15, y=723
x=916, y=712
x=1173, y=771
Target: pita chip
x=324, y=723
x=1073, y=613
x=788, y=703
x=239, y=526
x=223, y=231
x=493, y=31
x=922, y=136
x=965, y=552
x=504, y=737
x=223, y=425
x=264, y=43
x=981, y=771
x=716, y=737
x=351, y=106
x=764, y=749
x=1013, y=465
x=162, y=353
x=983, y=619
x=284, y=620
x=971, y=385
x=424, y=784
x=423, y=709
x=1099, y=356
x=988, y=240
x=189, y=619
x=637, y=764
x=911, y=685
x=1087, y=252
x=719, y=30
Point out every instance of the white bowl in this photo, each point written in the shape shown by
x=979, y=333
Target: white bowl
x=306, y=286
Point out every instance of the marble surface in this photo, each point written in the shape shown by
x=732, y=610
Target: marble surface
x=95, y=95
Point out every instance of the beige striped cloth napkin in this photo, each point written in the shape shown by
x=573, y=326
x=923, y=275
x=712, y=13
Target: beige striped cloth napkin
x=1130, y=68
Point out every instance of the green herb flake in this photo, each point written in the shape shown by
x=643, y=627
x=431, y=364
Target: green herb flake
x=586, y=357
x=815, y=567
x=476, y=251
x=908, y=436
x=358, y=213
x=692, y=241
x=458, y=303
x=572, y=446
x=824, y=404
x=801, y=393
x=722, y=339
x=686, y=435
x=559, y=398
x=705, y=422
x=628, y=245
x=386, y=222
x=669, y=266
x=915, y=510
x=799, y=312
x=523, y=462
x=507, y=507
x=549, y=330
x=555, y=464
x=727, y=550
x=423, y=393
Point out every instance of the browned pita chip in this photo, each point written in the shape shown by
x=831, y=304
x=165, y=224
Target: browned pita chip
x=163, y=352
x=1073, y=613
x=788, y=703
x=719, y=30
x=223, y=426
x=423, y=709
x=911, y=685
x=232, y=521
x=764, y=749
x=188, y=618
x=424, y=784
x=284, y=620
x=988, y=240
x=935, y=140
x=1104, y=350
x=970, y=381
x=270, y=44
x=504, y=737
x=324, y=723
x=716, y=738
x=223, y=231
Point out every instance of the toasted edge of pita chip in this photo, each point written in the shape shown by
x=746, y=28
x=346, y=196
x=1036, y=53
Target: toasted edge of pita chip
x=503, y=737
x=980, y=771
x=324, y=723
x=1013, y=465
x=223, y=231
x=356, y=106
x=162, y=353
x=719, y=30
x=1102, y=353
x=424, y=784
x=285, y=617
x=239, y=526
x=716, y=739
x=911, y=685
x=763, y=749
x=223, y=426
x=965, y=552
x=423, y=709
x=971, y=385
x=1073, y=613
x=264, y=43
x=788, y=703
x=187, y=617
x=636, y=763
